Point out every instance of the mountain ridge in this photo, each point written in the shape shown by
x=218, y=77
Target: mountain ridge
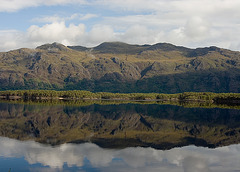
x=121, y=67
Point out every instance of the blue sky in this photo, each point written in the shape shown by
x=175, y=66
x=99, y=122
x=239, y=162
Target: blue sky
x=191, y=23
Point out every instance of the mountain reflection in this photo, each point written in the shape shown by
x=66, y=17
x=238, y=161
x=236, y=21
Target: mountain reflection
x=120, y=126
x=68, y=155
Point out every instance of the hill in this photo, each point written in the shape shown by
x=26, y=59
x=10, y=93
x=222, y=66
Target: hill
x=121, y=67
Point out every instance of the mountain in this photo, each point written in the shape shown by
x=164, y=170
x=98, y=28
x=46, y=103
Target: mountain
x=121, y=67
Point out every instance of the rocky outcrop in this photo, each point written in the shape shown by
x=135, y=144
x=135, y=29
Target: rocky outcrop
x=120, y=67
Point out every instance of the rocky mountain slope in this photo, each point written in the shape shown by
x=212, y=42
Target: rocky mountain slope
x=120, y=67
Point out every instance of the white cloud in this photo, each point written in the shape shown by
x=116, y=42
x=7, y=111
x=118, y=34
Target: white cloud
x=185, y=159
x=206, y=7
x=10, y=39
x=133, y=5
x=191, y=23
x=55, y=32
x=139, y=34
x=196, y=28
x=99, y=34
x=88, y=16
x=15, y=5
x=177, y=8
x=48, y=19
x=203, y=7
x=56, y=18
x=196, y=164
x=195, y=32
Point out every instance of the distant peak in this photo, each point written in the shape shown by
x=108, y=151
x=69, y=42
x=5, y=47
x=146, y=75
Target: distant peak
x=53, y=47
x=119, y=48
x=167, y=47
x=116, y=43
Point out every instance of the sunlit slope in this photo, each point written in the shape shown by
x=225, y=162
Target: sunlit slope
x=121, y=67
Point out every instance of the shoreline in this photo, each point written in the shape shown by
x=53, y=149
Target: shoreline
x=219, y=98
x=102, y=99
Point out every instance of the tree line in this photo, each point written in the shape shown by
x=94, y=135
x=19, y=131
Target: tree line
x=81, y=94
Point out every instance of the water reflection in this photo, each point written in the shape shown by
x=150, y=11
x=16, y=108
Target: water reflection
x=121, y=126
x=91, y=157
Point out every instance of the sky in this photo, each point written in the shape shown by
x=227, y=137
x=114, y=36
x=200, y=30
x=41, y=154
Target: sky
x=190, y=23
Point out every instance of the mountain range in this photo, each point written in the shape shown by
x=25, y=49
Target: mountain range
x=121, y=67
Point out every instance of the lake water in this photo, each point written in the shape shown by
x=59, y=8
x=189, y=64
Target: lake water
x=118, y=137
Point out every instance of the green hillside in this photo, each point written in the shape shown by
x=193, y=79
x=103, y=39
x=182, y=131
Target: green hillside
x=121, y=67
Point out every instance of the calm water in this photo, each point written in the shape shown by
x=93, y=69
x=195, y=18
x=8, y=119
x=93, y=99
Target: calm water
x=32, y=156
x=126, y=137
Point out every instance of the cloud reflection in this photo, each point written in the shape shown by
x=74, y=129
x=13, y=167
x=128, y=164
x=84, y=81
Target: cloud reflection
x=186, y=159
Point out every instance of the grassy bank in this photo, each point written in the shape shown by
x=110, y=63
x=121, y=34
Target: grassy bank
x=76, y=94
